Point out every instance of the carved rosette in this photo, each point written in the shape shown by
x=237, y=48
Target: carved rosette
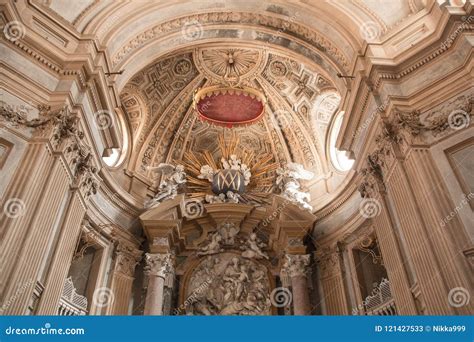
x=296, y=265
x=127, y=257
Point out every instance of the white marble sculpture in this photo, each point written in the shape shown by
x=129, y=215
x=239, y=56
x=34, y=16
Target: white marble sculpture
x=288, y=183
x=172, y=178
x=252, y=248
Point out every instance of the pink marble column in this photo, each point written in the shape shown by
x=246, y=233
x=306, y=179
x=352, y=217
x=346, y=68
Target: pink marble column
x=160, y=271
x=296, y=266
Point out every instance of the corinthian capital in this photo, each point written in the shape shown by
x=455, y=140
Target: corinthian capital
x=296, y=265
x=159, y=264
x=127, y=257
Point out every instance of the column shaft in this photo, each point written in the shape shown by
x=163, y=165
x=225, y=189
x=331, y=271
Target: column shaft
x=61, y=261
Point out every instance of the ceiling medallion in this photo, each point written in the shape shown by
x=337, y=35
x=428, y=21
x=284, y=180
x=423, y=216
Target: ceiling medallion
x=229, y=106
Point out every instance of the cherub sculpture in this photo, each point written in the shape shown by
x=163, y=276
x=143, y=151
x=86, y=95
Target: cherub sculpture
x=288, y=183
x=213, y=246
x=252, y=248
x=172, y=178
x=234, y=163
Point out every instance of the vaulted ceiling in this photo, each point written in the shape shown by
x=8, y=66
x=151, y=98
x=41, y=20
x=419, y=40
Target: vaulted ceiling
x=159, y=104
x=293, y=52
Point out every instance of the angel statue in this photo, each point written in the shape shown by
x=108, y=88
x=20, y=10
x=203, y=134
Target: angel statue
x=213, y=245
x=172, y=178
x=253, y=248
x=234, y=163
x=288, y=183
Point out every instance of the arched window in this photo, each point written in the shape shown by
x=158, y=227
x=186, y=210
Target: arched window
x=339, y=159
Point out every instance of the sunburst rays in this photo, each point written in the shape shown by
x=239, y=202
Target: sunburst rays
x=262, y=168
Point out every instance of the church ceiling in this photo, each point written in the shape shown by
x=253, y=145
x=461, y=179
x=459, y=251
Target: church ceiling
x=165, y=124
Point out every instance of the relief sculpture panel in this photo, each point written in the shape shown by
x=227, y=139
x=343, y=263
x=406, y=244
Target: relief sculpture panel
x=228, y=284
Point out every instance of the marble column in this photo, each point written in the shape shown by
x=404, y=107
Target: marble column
x=332, y=280
x=118, y=297
x=297, y=267
x=160, y=272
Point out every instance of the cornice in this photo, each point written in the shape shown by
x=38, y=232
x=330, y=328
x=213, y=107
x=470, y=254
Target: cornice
x=225, y=18
x=378, y=74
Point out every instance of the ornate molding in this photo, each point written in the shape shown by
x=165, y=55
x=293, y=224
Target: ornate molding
x=231, y=18
x=437, y=123
x=379, y=78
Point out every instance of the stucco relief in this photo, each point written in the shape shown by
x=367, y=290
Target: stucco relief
x=228, y=284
